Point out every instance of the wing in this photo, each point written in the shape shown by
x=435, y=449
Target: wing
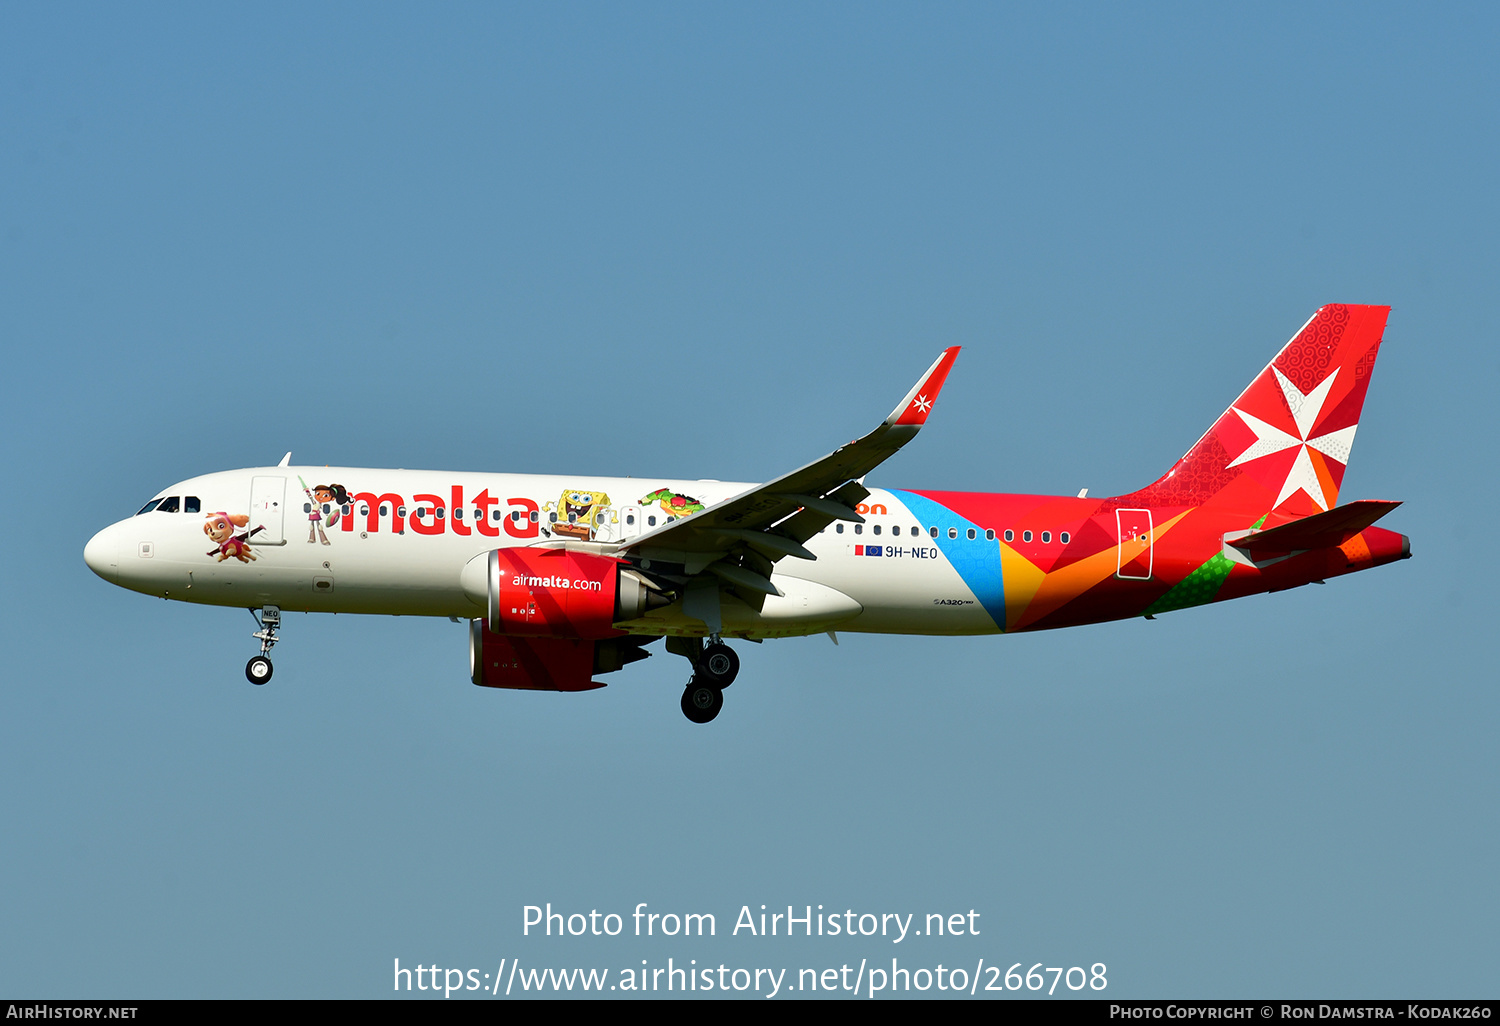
x=739, y=540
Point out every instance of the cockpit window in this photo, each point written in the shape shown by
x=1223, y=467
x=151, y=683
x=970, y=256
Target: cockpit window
x=148, y=507
x=190, y=504
x=168, y=505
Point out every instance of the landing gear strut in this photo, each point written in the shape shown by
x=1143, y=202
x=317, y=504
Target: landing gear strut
x=258, y=670
x=715, y=666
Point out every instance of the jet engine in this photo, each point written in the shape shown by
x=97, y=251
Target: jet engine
x=554, y=593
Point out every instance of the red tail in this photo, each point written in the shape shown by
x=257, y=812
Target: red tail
x=1282, y=446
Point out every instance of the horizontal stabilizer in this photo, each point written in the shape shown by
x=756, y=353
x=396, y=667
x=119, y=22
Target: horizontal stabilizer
x=1322, y=530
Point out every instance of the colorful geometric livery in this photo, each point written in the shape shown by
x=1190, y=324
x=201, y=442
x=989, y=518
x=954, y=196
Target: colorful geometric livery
x=562, y=583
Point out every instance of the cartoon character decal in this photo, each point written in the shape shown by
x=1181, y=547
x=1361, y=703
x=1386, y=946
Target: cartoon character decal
x=580, y=514
x=332, y=496
x=674, y=504
x=220, y=530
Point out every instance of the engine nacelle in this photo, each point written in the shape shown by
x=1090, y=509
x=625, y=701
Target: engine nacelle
x=554, y=593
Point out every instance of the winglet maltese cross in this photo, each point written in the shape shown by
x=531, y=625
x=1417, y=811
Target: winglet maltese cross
x=917, y=405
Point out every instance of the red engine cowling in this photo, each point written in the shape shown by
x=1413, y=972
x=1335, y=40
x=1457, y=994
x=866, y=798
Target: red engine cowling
x=546, y=664
x=532, y=664
x=554, y=593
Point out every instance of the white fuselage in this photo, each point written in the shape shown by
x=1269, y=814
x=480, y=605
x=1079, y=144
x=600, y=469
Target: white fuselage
x=401, y=540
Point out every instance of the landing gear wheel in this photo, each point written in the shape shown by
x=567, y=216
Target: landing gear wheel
x=258, y=670
x=701, y=702
x=718, y=665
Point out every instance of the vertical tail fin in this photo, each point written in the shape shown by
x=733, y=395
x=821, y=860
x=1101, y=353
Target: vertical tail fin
x=1282, y=446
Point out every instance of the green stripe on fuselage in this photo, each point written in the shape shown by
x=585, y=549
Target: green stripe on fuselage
x=1200, y=586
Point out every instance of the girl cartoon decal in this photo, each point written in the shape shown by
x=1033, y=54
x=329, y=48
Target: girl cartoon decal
x=334, y=496
x=220, y=530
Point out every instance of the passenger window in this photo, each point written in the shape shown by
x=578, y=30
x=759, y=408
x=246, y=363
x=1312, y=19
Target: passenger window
x=495, y=516
x=168, y=505
x=1010, y=535
x=629, y=518
x=877, y=529
x=515, y=515
x=1046, y=536
x=989, y=535
x=534, y=517
x=971, y=534
x=440, y=512
x=192, y=505
x=307, y=507
x=838, y=528
x=401, y=511
x=364, y=511
x=859, y=528
x=932, y=531
x=385, y=510
x=952, y=532
x=326, y=509
x=1026, y=536
x=458, y=514
x=148, y=507
x=552, y=518
x=1063, y=537
x=650, y=521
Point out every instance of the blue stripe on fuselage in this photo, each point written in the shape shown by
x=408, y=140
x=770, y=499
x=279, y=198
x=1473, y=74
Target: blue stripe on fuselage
x=977, y=561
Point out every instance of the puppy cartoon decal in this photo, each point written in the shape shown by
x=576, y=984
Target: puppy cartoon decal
x=220, y=530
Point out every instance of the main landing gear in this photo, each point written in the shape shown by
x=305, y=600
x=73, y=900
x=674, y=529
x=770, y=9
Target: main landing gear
x=715, y=666
x=258, y=669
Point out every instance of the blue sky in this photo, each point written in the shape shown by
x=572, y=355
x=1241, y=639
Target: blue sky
x=697, y=241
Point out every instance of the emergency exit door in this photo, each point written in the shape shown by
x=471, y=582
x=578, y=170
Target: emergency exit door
x=1135, y=544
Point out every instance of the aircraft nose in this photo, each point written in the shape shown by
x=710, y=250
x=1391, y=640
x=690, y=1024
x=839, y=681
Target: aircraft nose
x=102, y=554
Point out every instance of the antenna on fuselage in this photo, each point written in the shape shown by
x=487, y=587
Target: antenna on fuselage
x=286, y=461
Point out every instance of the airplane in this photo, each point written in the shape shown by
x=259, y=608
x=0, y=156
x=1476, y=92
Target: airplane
x=565, y=579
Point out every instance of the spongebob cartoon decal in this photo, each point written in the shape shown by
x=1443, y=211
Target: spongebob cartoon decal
x=581, y=514
x=674, y=504
x=325, y=504
x=220, y=530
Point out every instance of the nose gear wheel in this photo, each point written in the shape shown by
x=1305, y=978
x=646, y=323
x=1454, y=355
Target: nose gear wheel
x=258, y=670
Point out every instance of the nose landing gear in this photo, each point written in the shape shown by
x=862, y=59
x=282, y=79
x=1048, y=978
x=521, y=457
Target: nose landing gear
x=258, y=669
